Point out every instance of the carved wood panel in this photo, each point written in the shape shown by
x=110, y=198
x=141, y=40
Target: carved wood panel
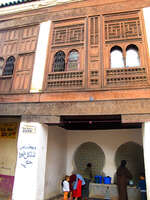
x=94, y=68
x=19, y=43
x=66, y=79
x=28, y=39
x=136, y=75
x=66, y=36
x=118, y=30
x=5, y=83
x=23, y=72
x=122, y=30
x=123, y=27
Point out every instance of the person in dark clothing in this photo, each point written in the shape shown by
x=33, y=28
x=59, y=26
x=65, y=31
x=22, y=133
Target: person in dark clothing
x=87, y=175
x=71, y=183
x=123, y=177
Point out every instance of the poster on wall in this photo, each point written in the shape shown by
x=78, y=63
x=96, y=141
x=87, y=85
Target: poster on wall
x=8, y=130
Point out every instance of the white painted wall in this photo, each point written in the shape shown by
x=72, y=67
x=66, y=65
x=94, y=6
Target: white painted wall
x=146, y=143
x=56, y=160
x=31, y=161
x=8, y=152
x=146, y=13
x=108, y=140
x=62, y=145
x=40, y=57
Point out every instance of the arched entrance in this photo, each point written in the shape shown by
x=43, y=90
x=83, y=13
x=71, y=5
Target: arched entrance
x=133, y=154
x=90, y=152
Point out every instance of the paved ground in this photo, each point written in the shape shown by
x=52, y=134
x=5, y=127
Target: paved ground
x=60, y=197
x=4, y=197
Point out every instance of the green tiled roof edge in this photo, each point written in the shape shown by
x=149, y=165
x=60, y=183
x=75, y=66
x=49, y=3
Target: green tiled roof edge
x=12, y=3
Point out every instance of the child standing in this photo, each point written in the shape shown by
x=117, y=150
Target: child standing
x=142, y=187
x=107, y=194
x=66, y=188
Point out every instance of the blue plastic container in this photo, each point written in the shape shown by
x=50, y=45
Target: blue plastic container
x=96, y=179
x=107, y=180
x=100, y=179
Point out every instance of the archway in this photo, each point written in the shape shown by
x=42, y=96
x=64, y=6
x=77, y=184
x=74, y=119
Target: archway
x=90, y=152
x=133, y=154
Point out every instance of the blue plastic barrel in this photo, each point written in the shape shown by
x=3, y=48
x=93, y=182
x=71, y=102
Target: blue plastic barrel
x=100, y=179
x=96, y=179
x=107, y=180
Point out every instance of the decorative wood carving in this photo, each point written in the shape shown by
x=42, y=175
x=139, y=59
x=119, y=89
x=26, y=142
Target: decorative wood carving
x=118, y=30
x=23, y=72
x=124, y=30
x=94, y=30
x=94, y=65
x=67, y=36
x=73, y=34
x=126, y=76
x=65, y=80
x=5, y=83
x=28, y=39
x=18, y=43
x=123, y=27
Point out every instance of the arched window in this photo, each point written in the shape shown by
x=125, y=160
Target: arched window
x=73, y=60
x=1, y=65
x=132, y=56
x=59, y=62
x=116, y=57
x=9, y=67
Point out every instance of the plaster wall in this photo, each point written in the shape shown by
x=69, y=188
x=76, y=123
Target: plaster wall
x=146, y=13
x=108, y=140
x=41, y=51
x=31, y=161
x=56, y=160
x=8, y=152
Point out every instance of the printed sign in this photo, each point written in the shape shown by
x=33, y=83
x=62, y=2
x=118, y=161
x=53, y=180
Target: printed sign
x=8, y=130
x=28, y=129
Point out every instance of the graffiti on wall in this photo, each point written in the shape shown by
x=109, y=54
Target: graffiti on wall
x=27, y=154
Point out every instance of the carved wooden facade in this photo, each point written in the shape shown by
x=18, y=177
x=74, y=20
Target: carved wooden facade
x=79, y=54
x=21, y=44
x=123, y=30
x=67, y=36
x=94, y=37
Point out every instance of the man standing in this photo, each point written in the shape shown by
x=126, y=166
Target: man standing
x=123, y=177
x=87, y=175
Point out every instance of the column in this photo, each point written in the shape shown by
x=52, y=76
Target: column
x=146, y=148
x=31, y=162
x=146, y=13
x=40, y=57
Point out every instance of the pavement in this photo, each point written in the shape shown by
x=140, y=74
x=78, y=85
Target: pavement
x=60, y=197
x=4, y=197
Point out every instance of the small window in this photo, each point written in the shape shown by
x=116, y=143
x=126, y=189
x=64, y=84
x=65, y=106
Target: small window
x=59, y=62
x=1, y=65
x=9, y=67
x=116, y=57
x=132, y=56
x=73, y=60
